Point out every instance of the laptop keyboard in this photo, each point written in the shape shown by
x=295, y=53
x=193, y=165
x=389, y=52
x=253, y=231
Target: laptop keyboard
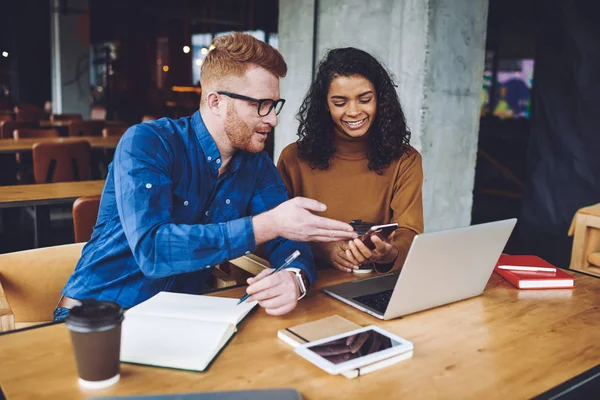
x=377, y=301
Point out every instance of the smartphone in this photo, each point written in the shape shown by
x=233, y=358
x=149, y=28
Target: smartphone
x=383, y=231
x=354, y=349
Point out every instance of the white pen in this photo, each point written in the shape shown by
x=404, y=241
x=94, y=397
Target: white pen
x=523, y=268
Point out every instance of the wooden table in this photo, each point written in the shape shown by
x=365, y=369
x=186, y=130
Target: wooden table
x=42, y=195
x=505, y=344
x=47, y=193
x=97, y=142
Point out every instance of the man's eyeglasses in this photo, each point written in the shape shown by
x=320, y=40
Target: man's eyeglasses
x=264, y=105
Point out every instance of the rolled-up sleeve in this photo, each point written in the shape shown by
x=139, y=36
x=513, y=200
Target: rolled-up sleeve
x=143, y=188
x=268, y=194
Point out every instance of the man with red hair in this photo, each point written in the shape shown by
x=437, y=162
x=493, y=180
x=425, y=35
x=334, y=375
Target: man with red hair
x=185, y=195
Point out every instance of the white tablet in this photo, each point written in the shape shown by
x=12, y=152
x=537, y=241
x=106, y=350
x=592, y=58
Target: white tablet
x=354, y=349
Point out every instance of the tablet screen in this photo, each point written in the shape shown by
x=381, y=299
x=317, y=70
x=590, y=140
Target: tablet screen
x=354, y=346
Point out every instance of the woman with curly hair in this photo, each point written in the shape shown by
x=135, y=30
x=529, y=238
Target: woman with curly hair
x=353, y=154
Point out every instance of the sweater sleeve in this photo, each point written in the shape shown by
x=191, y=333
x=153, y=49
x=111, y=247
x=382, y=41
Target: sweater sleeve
x=407, y=206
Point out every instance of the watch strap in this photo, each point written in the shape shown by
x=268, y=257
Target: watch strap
x=299, y=280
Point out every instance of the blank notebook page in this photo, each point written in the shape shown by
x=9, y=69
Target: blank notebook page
x=189, y=306
x=173, y=342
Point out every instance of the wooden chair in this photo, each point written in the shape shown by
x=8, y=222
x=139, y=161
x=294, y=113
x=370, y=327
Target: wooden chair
x=585, y=229
x=25, y=160
x=114, y=131
x=85, y=214
x=148, y=117
x=6, y=117
x=29, y=113
x=66, y=117
x=31, y=282
x=86, y=128
x=98, y=113
x=61, y=161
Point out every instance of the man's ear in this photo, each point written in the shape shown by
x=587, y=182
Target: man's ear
x=213, y=103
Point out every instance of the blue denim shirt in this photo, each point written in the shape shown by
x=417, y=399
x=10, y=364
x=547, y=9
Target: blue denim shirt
x=166, y=217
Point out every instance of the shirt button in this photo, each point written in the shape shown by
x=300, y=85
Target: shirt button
x=185, y=203
x=206, y=213
x=218, y=161
x=247, y=252
x=228, y=201
x=209, y=158
x=148, y=185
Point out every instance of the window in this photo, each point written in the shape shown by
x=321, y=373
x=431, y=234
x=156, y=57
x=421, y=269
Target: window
x=512, y=95
x=201, y=43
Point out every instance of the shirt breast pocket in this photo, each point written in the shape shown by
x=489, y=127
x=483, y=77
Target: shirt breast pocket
x=227, y=209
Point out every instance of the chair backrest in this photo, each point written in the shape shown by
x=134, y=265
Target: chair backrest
x=7, y=127
x=98, y=113
x=66, y=117
x=86, y=128
x=61, y=161
x=34, y=133
x=33, y=279
x=148, y=117
x=114, y=131
x=85, y=214
x=29, y=113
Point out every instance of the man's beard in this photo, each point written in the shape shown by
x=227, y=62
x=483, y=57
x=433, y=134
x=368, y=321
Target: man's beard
x=240, y=135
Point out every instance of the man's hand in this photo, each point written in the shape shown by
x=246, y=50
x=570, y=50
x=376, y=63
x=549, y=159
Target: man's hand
x=383, y=252
x=335, y=255
x=277, y=293
x=293, y=220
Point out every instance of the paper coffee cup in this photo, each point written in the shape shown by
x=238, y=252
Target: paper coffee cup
x=95, y=328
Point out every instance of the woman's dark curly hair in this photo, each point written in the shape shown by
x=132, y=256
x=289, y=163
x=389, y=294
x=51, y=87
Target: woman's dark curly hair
x=388, y=136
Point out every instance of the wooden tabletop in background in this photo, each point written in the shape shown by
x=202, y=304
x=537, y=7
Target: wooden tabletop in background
x=97, y=142
x=503, y=344
x=47, y=193
x=62, y=123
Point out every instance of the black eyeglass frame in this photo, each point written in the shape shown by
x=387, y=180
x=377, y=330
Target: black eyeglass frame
x=259, y=101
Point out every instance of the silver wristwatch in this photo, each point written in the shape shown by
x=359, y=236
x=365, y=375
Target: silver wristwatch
x=299, y=281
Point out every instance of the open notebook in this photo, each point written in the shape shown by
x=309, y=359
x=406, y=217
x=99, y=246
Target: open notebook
x=182, y=331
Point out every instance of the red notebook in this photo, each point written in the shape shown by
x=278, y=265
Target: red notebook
x=558, y=279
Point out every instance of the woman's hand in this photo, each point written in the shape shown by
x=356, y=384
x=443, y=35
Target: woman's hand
x=334, y=253
x=383, y=253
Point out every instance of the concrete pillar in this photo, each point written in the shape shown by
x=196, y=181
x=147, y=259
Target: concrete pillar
x=70, y=33
x=435, y=50
x=297, y=26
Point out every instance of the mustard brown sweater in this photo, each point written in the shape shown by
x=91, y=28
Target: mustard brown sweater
x=352, y=191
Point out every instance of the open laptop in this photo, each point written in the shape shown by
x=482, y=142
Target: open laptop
x=441, y=268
